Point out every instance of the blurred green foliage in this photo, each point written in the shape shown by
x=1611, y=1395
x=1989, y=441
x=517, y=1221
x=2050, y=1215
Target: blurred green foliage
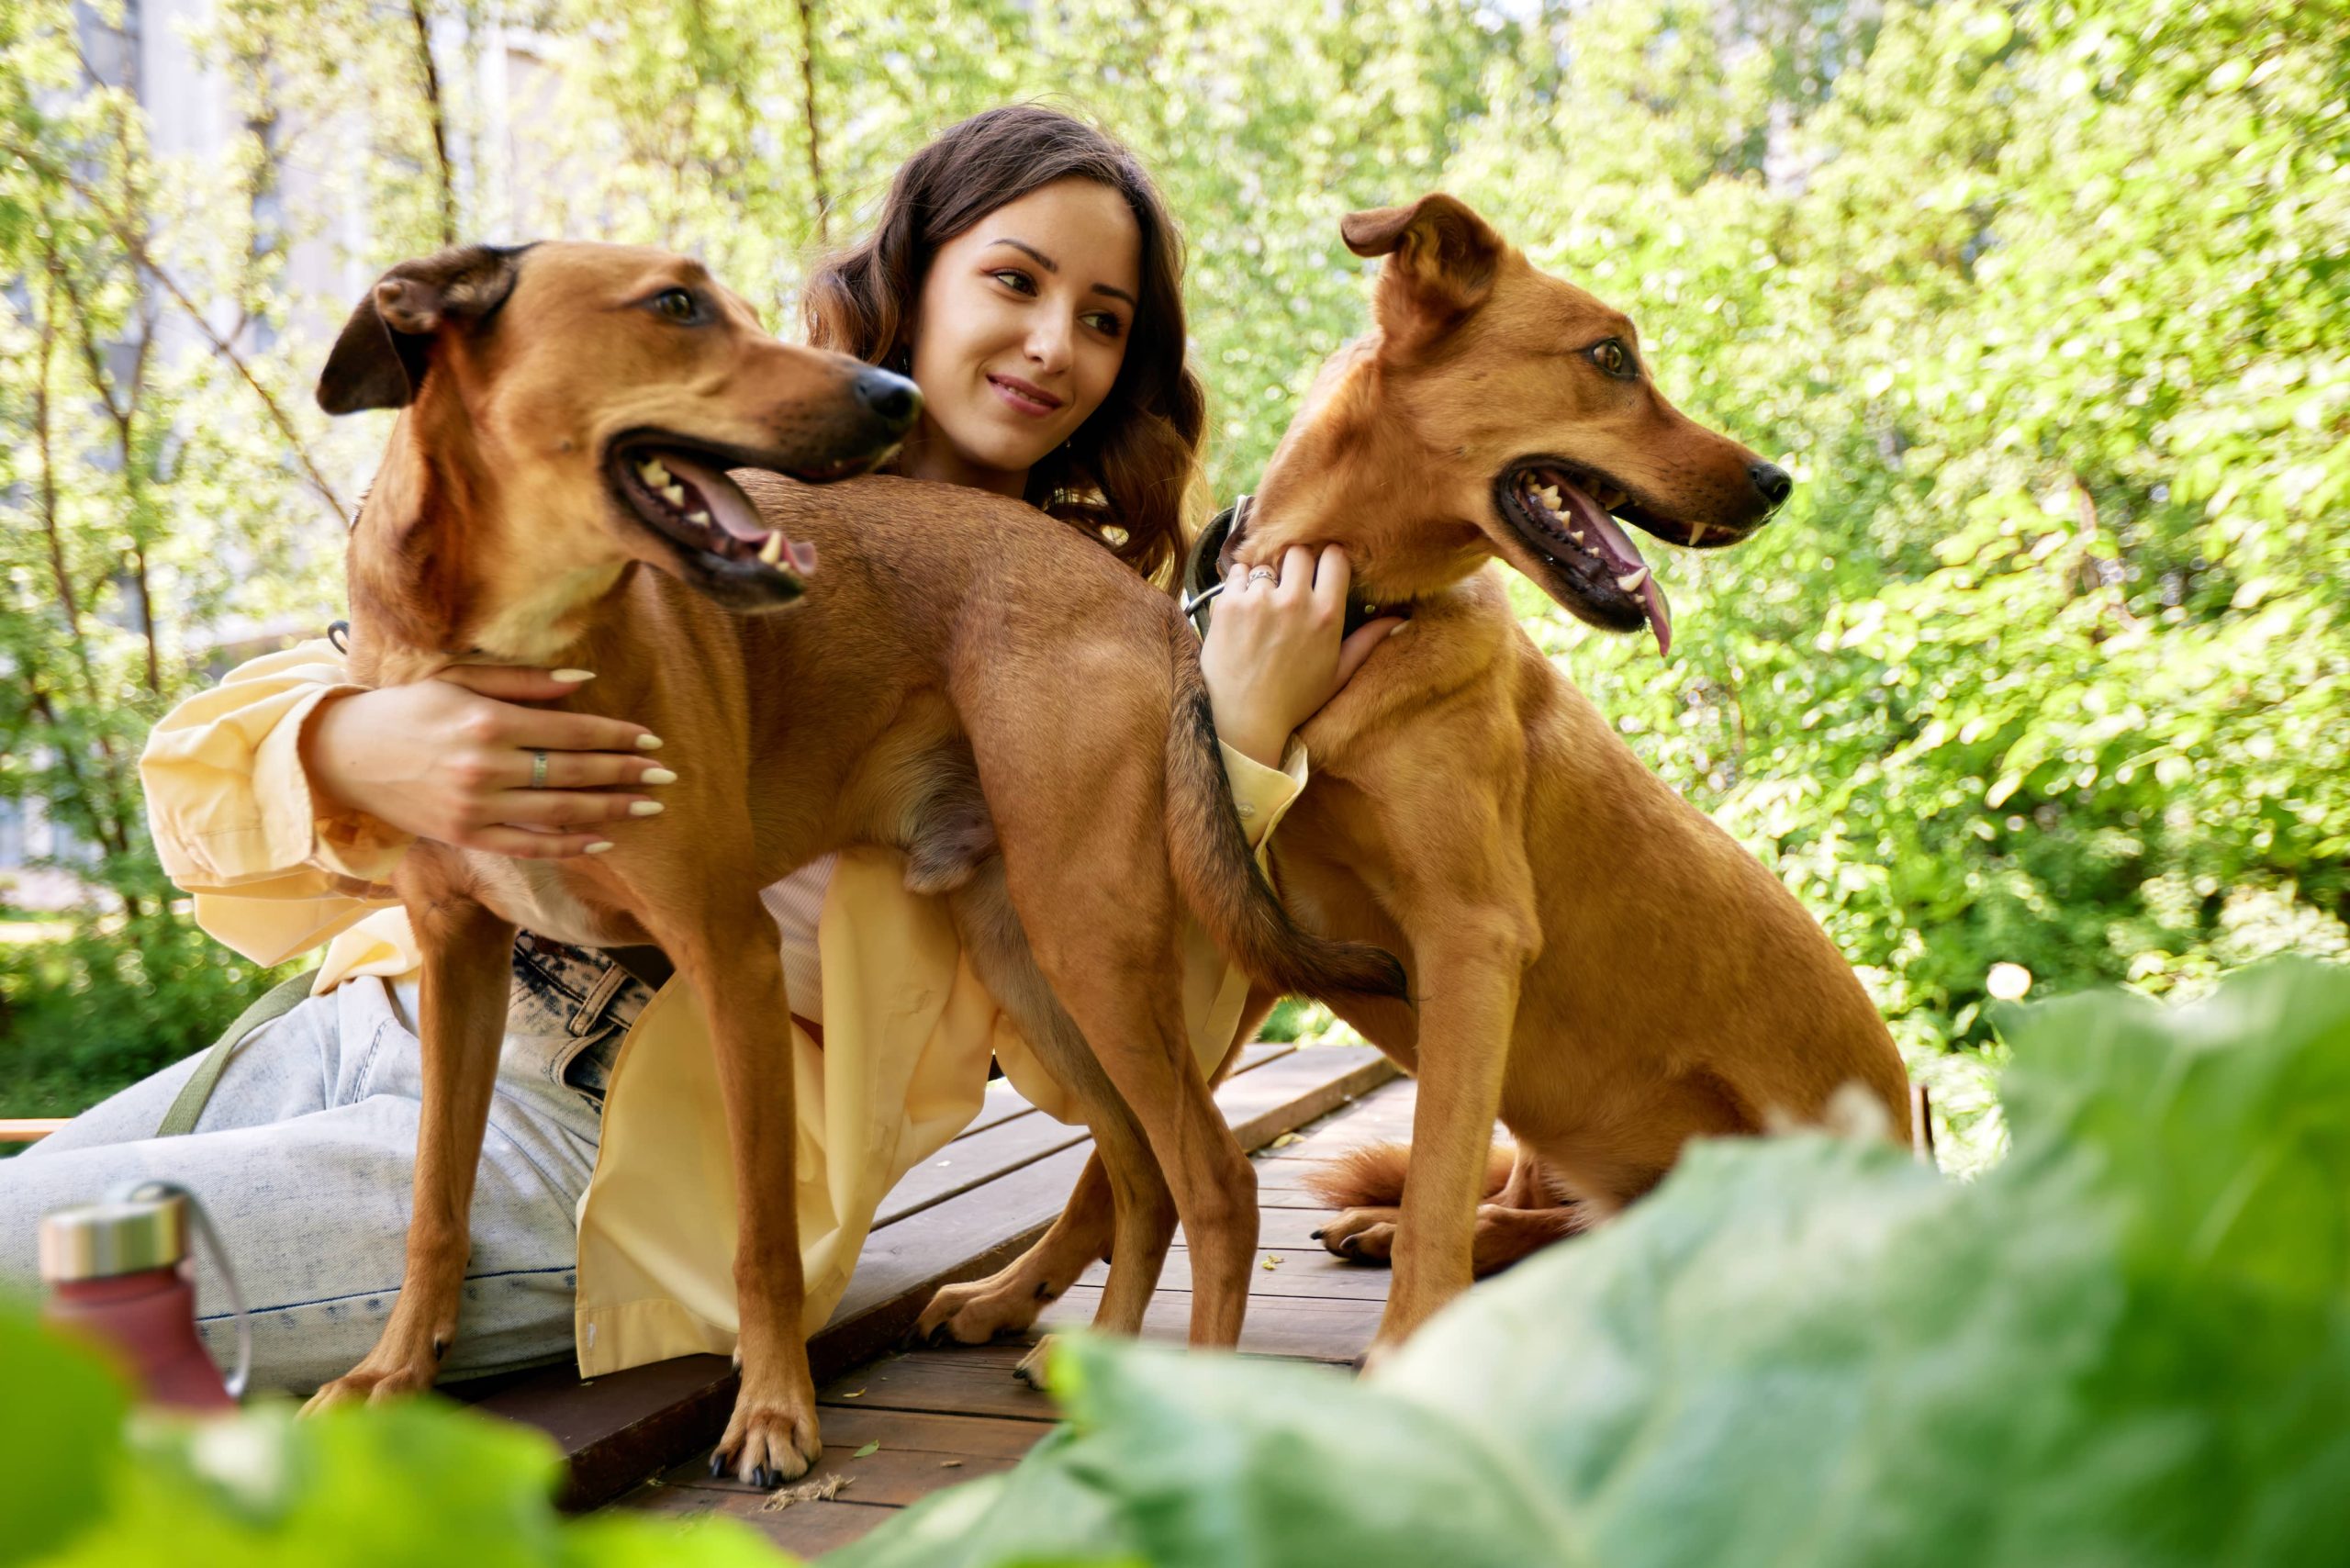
x=86, y=1483
x=2045, y=664
x=2125, y=1344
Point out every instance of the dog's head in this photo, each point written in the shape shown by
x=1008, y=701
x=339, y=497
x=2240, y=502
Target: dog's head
x=1500, y=412
x=585, y=402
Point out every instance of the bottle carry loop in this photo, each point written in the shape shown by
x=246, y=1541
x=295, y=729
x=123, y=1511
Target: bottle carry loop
x=149, y=1189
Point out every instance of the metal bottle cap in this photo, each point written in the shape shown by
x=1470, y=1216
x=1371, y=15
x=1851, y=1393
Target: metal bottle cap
x=97, y=1241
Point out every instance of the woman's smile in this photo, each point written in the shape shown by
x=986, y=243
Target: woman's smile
x=1024, y=397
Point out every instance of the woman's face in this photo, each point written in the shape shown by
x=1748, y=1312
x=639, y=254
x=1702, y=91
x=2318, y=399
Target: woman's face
x=1020, y=330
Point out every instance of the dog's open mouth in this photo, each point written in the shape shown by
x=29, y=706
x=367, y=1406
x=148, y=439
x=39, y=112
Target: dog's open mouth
x=682, y=494
x=1565, y=517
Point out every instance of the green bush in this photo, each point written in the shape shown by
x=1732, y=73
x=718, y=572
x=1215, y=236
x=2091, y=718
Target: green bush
x=83, y=1017
x=2125, y=1344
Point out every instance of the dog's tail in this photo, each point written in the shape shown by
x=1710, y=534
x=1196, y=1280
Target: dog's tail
x=1220, y=879
x=1371, y=1177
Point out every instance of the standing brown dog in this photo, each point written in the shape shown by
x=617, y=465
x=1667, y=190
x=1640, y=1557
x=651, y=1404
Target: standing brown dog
x=1593, y=958
x=962, y=674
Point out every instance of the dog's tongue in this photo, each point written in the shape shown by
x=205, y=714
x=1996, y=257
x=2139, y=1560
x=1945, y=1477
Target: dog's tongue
x=1615, y=543
x=732, y=509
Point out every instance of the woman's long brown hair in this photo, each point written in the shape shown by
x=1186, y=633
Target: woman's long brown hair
x=1125, y=477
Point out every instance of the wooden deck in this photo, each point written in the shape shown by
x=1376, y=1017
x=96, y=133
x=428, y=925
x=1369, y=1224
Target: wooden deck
x=934, y=1417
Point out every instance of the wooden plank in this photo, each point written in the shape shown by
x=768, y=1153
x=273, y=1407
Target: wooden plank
x=982, y=1152
x=965, y=1380
x=1317, y=1330
x=887, y=1477
x=1295, y=1272
x=968, y=1163
x=621, y=1428
x=29, y=1130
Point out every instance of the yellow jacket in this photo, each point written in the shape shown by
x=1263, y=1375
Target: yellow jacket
x=908, y=1029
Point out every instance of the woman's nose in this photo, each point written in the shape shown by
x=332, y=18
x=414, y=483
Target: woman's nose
x=1048, y=344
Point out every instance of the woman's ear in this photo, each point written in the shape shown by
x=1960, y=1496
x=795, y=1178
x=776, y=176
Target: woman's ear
x=386, y=347
x=1441, y=261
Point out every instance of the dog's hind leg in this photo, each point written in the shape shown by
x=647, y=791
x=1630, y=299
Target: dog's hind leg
x=1132, y=1194
x=467, y=981
x=1009, y=1300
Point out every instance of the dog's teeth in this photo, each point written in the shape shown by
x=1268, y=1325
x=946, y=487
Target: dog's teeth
x=772, y=551
x=1630, y=581
x=1550, y=494
x=1576, y=534
x=652, y=473
x=1696, y=532
x=701, y=517
x=674, y=493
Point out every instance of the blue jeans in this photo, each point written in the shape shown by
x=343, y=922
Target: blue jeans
x=304, y=1156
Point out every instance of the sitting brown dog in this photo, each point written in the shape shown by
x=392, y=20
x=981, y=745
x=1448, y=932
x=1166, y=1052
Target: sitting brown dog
x=570, y=416
x=1592, y=960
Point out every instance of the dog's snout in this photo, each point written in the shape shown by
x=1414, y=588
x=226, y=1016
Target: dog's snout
x=1774, y=482
x=892, y=397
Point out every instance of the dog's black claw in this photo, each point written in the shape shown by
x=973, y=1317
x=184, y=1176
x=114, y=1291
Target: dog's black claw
x=717, y=1464
x=1317, y=1235
x=759, y=1477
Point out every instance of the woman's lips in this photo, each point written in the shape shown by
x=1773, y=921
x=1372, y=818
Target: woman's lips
x=1023, y=397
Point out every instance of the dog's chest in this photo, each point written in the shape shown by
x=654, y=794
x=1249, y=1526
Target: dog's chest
x=533, y=895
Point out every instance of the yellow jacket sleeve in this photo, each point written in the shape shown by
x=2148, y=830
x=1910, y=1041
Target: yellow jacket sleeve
x=234, y=821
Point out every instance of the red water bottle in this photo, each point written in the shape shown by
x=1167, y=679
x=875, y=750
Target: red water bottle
x=117, y=1273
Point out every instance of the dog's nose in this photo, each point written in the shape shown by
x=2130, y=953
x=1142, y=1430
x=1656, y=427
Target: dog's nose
x=1774, y=481
x=893, y=398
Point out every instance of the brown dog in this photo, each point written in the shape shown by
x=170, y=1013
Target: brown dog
x=572, y=412
x=1592, y=960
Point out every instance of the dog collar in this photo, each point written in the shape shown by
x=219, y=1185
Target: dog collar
x=1209, y=567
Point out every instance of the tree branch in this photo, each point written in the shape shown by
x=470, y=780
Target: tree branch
x=808, y=102
x=435, y=112
x=136, y=246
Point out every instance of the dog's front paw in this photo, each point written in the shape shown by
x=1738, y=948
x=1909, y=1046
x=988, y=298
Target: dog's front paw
x=365, y=1383
x=769, y=1441
x=404, y=1362
x=1362, y=1235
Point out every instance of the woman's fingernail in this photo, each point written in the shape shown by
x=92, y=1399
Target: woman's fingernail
x=1399, y=626
x=600, y=845
x=574, y=675
x=657, y=775
x=645, y=808
x=648, y=743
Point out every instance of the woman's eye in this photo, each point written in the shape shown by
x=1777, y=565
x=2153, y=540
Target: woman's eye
x=675, y=304
x=1109, y=326
x=1013, y=279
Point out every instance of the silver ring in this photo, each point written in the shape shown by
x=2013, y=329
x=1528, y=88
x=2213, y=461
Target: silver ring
x=538, y=770
x=1263, y=575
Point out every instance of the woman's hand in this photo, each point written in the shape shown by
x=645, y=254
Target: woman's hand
x=450, y=759
x=1273, y=654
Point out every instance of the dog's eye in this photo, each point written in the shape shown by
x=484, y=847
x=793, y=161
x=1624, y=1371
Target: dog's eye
x=677, y=305
x=1613, y=357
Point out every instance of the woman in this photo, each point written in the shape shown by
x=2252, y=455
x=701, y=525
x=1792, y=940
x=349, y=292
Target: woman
x=1025, y=274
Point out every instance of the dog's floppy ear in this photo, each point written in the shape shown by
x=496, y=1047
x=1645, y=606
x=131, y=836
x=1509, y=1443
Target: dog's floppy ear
x=380, y=360
x=1441, y=261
